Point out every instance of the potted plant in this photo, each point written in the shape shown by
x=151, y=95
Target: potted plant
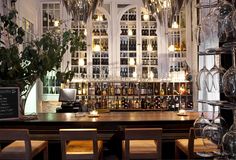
x=22, y=68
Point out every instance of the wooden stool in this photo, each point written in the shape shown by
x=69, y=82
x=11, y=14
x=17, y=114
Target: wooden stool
x=80, y=144
x=192, y=145
x=22, y=148
x=142, y=143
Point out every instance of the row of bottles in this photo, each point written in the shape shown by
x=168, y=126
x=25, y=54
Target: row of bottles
x=79, y=54
x=129, y=16
x=51, y=90
x=99, y=32
x=149, y=62
x=150, y=45
x=97, y=61
x=172, y=103
x=177, y=66
x=149, y=32
x=102, y=54
x=130, y=32
x=133, y=88
x=128, y=45
x=127, y=71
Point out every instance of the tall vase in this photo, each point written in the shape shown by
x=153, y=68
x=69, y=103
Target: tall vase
x=229, y=140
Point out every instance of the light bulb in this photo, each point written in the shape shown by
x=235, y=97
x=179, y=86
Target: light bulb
x=149, y=48
x=85, y=32
x=131, y=62
x=174, y=25
x=146, y=17
x=151, y=75
x=81, y=62
x=56, y=23
x=171, y=48
x=130, y=33
x=135, y=74
x=99, y=18
x=97, y=48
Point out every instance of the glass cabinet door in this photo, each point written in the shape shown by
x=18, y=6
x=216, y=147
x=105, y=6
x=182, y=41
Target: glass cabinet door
x=79, y=58
x=128, y=36
x=177, y=47
x=100, y=55
x=149, y=45
x=50, y=14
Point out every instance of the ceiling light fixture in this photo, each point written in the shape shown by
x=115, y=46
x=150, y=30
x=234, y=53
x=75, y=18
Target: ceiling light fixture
x=81, y=10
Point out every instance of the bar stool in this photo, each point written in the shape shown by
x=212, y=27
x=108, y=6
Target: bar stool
x=192, y=145
x=142, y=143
x=80, y=144
x=22, y=148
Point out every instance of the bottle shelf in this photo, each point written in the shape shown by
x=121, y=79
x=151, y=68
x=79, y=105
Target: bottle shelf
x=136, y=95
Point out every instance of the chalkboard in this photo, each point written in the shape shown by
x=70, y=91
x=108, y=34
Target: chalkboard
x=9, y=103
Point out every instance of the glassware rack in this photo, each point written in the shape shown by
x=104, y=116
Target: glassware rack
x=120, y=95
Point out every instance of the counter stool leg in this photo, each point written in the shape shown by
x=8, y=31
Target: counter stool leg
x=45, y=153
x=177, y=152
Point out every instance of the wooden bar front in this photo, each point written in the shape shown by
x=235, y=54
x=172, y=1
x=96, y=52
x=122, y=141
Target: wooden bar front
x=47, y=125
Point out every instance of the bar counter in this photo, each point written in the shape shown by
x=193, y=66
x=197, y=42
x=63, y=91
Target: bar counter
x=48, y=124
x=110, y=128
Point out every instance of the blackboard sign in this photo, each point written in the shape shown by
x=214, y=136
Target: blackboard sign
x=9, y=103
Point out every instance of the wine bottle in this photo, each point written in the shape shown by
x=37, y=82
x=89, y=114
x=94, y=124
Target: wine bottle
x=117, y=90
x=112, y=90
x=136, y=105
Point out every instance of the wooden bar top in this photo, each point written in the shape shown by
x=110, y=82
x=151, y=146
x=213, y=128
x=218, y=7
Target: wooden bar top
x=48, y=124
x=116, y=117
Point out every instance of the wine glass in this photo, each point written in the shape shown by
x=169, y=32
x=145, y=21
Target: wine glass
x=210, y=78
x=229, y=78
x=199, y=124
x=229, y=139
x=201, y=76
x=214, y=132
x=218, y=76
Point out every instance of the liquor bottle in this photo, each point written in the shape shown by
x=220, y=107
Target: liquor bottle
x=117, y=90
x=176, y=100
x=136, y=89
x=136, y=104
x=142, y=89
x=79, y=89
x=98, y=90
x=124, y=90
x=162, y=92
x=105, y=103
x=130, y=89
x=104, y=90
x=143, y=104
x=189, y=91
x=156, y=88
x=126, y=104
x=112, y=90
x=152, y=103
x=169, y=89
